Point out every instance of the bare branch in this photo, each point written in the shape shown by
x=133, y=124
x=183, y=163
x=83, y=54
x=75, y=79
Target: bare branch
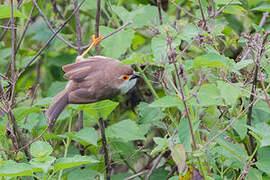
x=25, y=28
x=97, y=25
x=156, y=162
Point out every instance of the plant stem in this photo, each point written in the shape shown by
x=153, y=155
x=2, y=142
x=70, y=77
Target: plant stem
x=149, y=85
x=67, y=143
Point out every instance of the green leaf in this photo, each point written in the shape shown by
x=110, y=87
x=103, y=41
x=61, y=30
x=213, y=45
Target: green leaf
x=263, y=165
x=127, y=130
x=235, y=9
x=56, y=87
x=21, y=112
x=179, y=156
x=136, y=58
x=40, y=149
x=13, y=169
x=158, y=45
x=114, y=46
x=44, y=101
x=242, y=64
x=141, y=16
x=190, y=31
x=44, y=165
x=168, y=101
x=5, y=12
x=265, y=141
x=240, y=127
x=262, y=7
x=229, y=93
x=150, y=114
x=254, y=174
x=82, y=174
x=212, y=60
x=236, y=150
x=208, y=95
x=40, y=31
x=86, y=136
x=99, y=109
x=223, y=2
x=162, y=144
x=68, y=162
x=184, y=134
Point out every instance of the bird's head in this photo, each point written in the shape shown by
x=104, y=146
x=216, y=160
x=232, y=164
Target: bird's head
x=126, y=79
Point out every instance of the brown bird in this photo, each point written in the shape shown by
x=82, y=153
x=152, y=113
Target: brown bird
x=90, y=80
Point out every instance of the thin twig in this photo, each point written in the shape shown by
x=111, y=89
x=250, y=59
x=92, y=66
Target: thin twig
x=182, y=9
x=136, y=175
x=221, y=9
x=25, y=29
x=49, y=40
x=159, y=12
x=97, y=25
x=6, y=27
x=105, y=149
x=203, y=17
x=156, y=162
x=51, y=28
x=34, y=140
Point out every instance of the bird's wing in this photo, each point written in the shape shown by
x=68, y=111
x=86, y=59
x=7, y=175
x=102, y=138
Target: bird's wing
x=80, y=70
x=90, y=61
x=81, y=96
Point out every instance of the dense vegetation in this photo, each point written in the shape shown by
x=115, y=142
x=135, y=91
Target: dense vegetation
x=200, y=111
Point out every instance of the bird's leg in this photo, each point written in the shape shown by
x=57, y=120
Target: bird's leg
x=95, y=41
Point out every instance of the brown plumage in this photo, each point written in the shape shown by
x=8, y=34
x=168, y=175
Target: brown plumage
x=90, y=80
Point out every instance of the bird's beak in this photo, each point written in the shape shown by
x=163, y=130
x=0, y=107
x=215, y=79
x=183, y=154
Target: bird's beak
x=134, y=76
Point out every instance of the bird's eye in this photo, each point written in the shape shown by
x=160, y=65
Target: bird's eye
x=125, y=77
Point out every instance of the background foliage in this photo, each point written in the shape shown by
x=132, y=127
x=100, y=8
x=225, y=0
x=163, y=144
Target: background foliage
x=201, y=110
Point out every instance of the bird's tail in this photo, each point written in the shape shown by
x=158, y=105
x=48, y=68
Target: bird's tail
x=59, y=103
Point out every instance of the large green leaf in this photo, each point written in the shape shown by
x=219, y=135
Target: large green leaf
x=158, y=45
x=56, y=87
x=13, y=169
x=100, y=109
x=114, y=46
x=212, y=60
x=208, y=95
x=82, y=174
x=190, y=31
x=40, y=149
x=126, y=130
x=86, y=136
x=254, y=174
x=184, y=134
x=141, y=16
x=168, y=101
x=262, y=7
x=5, y=12
x=179, y=156
x=229, y=92
x=68, y=162
x=42, y=165
x=150, y=114
x=162, y=145
x=21, y=112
